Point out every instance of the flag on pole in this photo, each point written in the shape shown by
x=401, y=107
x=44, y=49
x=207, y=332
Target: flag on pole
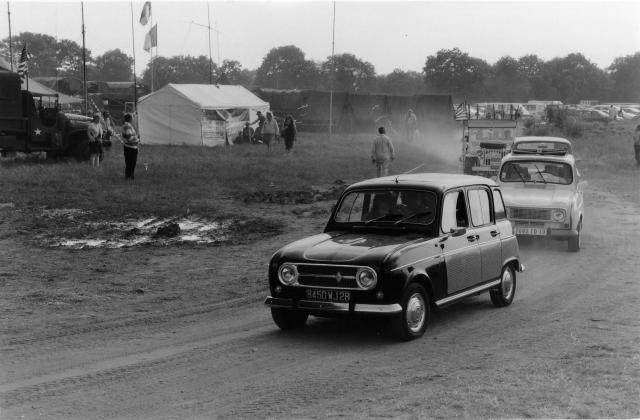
x=146, y=13
x=462, y=112
x=151, y=39
x=23, y=68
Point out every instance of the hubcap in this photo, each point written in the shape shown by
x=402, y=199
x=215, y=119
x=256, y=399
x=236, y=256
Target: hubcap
x=507, y=283
x=415, y=312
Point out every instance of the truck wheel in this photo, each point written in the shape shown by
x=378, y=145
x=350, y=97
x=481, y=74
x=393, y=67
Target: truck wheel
x=576, y=241
x=412, y=321
x=83, y=151
x=289, y=319
x=503, y=294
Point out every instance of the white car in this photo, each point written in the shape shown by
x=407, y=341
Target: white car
x=542, y=189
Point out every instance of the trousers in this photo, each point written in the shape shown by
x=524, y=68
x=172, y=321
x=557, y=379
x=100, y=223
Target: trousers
x=382, y=167
x=130, y=159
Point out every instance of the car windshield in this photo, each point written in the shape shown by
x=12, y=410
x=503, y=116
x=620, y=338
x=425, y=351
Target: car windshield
x=388, y=206
x=537, y=171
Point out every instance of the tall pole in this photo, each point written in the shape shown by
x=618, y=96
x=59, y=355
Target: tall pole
x=333, y=43
x=209, y=33
x=84, y=65
x=10, y=42
x=133, y=41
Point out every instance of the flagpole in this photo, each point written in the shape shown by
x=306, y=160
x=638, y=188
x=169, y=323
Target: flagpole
x=133, y=41
x=333, y=43
x=84, y=64
x=209, y=33
x=10, y=43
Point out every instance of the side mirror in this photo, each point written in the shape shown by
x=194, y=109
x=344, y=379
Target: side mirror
x=459, y=231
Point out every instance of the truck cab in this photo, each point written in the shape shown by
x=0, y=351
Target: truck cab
x=33, y=122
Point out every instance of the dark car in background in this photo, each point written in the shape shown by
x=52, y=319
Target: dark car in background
x=395, y=247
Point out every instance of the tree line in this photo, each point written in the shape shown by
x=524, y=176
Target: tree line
x=449, y=71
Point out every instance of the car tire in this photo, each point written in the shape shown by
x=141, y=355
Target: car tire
x=289, y=319
x=575, y=242
x=412, y=322
x=503, y=294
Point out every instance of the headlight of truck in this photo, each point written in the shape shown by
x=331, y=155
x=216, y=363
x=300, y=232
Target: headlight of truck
x=366, y=278
x=288, y=274
x=557, y=215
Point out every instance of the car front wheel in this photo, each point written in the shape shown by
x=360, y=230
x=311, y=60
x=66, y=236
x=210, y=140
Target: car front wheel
x=576, y=241
x=289, y=319
x=412, y=321
x=503, y=294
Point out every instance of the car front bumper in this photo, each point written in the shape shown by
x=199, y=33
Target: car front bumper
x=332, y=307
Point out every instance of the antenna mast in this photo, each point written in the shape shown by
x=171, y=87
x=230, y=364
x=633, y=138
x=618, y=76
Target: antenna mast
x=10, y=42
x=84, y=64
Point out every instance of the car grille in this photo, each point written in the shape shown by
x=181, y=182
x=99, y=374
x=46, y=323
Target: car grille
x=326, y=276
x=524, y=213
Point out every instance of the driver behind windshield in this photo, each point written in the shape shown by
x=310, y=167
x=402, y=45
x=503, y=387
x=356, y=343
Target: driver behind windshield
x=383, y=204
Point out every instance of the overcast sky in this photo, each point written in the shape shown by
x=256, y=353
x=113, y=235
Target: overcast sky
x=388, y=34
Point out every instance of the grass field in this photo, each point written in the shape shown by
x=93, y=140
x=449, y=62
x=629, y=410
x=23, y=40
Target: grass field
x=173, y=180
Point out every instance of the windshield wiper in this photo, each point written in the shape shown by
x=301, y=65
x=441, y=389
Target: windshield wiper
x=539, y=173
x=520, y=175
x=384, y=216
x=413, y=215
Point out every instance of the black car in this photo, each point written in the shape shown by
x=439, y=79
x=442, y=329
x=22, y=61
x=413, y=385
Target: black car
x=395, y=246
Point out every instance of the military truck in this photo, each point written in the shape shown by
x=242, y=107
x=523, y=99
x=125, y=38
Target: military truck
x=485, y=141
x=32, y=122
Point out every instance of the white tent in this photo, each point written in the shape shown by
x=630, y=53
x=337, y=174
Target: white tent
x=196, y=114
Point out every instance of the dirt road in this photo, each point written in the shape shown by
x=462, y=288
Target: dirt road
x=567, y=346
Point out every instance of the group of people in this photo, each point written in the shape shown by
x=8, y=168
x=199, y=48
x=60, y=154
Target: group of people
x=100, y=131
x=268, y=131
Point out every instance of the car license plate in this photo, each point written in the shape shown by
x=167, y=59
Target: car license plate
x=527, y=230
x=342, y=296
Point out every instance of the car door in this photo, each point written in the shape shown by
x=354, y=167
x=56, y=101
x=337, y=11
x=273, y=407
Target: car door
x=487, y=233
x=460, y=250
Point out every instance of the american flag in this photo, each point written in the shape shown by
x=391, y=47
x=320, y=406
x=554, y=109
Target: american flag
x=23, y=68
x=462, y=112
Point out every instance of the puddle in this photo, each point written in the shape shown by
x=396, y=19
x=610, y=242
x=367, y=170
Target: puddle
x=118, y=234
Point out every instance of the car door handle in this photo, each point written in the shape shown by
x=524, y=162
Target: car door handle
x=495, y=233
x=472, y=238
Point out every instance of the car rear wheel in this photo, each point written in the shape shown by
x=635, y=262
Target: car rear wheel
x=575, y=242
x=503, y=294
x=289, y=319
x=412, y=321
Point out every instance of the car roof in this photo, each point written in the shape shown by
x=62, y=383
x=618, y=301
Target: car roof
x=568, y=158
x=438, y=181
x=542, y=138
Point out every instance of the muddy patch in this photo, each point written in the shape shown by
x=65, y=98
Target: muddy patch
x=150, y=231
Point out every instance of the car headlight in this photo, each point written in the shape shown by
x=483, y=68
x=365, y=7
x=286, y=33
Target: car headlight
x=288, y=274
x=366, y=278
x=557, y=215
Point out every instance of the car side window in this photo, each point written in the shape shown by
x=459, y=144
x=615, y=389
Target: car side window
x=454, y=211
x=480, y=206
x=498, y=205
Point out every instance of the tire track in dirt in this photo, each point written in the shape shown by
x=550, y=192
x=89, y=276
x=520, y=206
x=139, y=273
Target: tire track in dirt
x=118, y=368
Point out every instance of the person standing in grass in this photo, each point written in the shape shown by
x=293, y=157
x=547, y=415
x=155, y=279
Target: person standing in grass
x=636, y=144
x=289, y=132
x=270, y=130
x=94, y=131
x=382, y=152
x=131, y=142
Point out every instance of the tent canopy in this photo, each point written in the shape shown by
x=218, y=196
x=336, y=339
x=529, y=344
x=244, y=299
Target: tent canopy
x=196, y=114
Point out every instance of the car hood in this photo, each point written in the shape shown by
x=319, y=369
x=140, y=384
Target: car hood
x=348, y=247
x=537, y=196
